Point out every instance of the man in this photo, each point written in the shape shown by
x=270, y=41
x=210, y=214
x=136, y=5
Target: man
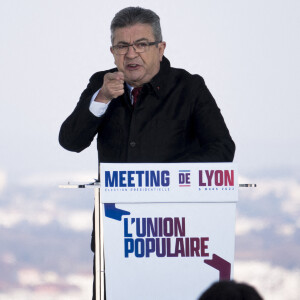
x=144, y=110
x=230, y=290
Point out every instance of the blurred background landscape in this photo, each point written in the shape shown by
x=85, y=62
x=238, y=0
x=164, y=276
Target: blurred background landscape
x=248, y=54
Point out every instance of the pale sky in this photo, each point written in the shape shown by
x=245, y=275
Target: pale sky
x=246, y=51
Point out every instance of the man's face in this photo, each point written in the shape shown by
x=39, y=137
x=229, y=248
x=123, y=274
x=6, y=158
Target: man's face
x=138, y=68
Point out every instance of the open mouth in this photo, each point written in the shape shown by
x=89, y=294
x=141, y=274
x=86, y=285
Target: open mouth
x=133, y=67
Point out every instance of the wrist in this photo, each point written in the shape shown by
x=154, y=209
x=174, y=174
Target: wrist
x=102, y=98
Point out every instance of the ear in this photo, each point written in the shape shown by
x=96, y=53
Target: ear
x=112, y=52
x=161, y=49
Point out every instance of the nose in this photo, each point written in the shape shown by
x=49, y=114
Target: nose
x=131, y=52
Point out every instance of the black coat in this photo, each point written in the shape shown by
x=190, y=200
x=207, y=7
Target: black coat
x=175, y=119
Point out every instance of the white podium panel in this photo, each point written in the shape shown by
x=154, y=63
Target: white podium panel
x=168, y=228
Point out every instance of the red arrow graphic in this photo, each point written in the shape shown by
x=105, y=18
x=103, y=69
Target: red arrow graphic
x=220, y=264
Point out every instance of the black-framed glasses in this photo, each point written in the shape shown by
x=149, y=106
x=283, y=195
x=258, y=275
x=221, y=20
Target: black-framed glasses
x=139, y=47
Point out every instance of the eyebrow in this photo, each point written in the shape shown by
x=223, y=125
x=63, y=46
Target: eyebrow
x=139, y=40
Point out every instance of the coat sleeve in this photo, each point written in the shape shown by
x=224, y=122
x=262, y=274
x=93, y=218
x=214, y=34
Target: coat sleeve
x=79, y=129
x=216, y=144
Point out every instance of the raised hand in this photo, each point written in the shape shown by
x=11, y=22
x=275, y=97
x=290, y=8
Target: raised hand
x=113, y=87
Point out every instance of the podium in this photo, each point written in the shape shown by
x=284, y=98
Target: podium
x=163, y=230
x=168, y=229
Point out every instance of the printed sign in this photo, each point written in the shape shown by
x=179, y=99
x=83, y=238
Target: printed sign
x=129, y=183
x=169, y=233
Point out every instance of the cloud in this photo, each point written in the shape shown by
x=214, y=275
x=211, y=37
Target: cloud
x=2, y=180
x=8, y=258
x=285, y=189
x=272, y=282
x=10, y=218
x=286, y=229
x=79, y=220
x=279, y=187
x=291, y=203
x=57, y=178
x=245, y=225
x=76, y=220
x=47, y=285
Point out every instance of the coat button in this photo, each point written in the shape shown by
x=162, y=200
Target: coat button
x=132, y=144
